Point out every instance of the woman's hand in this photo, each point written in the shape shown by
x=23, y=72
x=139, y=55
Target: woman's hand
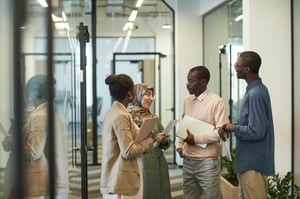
x=162, y=138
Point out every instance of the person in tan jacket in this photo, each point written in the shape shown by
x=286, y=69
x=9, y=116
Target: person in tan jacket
x=35, y=134
x=121, y=172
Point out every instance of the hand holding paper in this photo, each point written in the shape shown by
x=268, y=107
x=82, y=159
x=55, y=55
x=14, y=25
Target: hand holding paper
x=190, y=138
x=146, y=129
x=195, y=126
x=167, y=130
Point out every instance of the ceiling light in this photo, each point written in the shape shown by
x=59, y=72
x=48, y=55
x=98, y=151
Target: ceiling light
x=139, y=3
x=238, y=18
x=56, y=18
x=43, y=3
x=127, y=26
x=166, y=26
x=64, y=16
x=133, y=15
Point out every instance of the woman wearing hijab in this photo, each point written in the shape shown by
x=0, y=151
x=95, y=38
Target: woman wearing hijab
x=155, y=167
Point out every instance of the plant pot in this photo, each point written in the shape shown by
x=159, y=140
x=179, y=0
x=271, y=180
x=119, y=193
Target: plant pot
x=228, y=190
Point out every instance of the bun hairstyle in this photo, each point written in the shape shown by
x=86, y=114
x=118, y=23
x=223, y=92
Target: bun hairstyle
x=119, y=85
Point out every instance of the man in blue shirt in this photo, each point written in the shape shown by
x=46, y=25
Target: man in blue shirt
x=254, y=131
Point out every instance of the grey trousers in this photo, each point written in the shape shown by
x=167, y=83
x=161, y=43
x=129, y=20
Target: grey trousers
x=201, y=179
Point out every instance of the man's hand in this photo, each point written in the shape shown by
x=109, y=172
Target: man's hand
x=190, y=138
x=179, y=151
x=224, y=133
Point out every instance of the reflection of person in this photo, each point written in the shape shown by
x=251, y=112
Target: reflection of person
x=201, y=166
x=8, y=144
x=121, y=173
x=155, y=166
x=254, y=130
x=35, y=133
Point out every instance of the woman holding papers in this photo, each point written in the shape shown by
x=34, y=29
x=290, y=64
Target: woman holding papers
x=155, y=166
x=201, y=164
x=121, y=174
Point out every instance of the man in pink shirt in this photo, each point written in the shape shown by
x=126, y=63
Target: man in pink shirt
x=201, y=165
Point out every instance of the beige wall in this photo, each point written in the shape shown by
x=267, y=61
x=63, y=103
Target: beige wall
x=267, y=30
x=296, y=89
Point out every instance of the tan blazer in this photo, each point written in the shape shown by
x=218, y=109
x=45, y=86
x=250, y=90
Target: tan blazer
x=120, y=173
x=36, y=145
x=36, y=166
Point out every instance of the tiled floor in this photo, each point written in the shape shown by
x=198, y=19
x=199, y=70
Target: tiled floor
x=94, y=179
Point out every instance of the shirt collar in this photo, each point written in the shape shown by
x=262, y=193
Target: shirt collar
x=253, y=84
x=202, y=95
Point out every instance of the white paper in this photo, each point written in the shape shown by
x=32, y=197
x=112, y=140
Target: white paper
x=145, y=129
x=195, y=126
x=3, y=130
x=226, y=150
x=170, y=126
x=167, y=130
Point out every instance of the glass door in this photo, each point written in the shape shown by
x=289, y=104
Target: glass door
x=234, y=87
x=43, y=117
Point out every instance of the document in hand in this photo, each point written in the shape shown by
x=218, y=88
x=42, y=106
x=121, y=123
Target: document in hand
x=167, y=130
x=145, y=129
x=170, y=126
x=195, y=126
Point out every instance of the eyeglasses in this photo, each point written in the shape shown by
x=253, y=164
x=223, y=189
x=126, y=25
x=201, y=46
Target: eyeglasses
x=236, y=65
x=149, y=94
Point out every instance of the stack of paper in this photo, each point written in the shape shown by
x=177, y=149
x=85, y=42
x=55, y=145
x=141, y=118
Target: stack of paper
x=195, y=126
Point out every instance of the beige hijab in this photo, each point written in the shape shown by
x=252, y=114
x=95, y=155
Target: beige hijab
x=140, y=90
x=137, y=111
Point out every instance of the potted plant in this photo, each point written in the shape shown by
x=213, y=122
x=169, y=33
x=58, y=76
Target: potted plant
x=281, y=187
x=278, y=187
x=229, y=181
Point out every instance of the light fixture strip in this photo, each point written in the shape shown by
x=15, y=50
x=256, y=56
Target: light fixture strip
x=127, y=26
x=64, y=16
x=43, y=3
x=238, y=18
x=139, y=3
x=132, y=15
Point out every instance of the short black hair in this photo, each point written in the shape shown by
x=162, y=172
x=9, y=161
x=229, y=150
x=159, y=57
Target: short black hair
x=202, y=71
x=251, y=59
x=119, y=85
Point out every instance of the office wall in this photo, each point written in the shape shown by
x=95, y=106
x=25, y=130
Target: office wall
x=267, y=30
x=296, y=89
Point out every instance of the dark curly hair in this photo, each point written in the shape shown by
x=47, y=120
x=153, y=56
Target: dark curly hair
x=119, y=85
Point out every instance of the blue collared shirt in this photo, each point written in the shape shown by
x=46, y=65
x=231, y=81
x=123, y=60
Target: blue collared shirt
x=255, y=132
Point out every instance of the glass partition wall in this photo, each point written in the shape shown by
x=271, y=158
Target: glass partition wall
x=40, y=115
x=140, y=46
x=222, y=43
x=66, y=49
